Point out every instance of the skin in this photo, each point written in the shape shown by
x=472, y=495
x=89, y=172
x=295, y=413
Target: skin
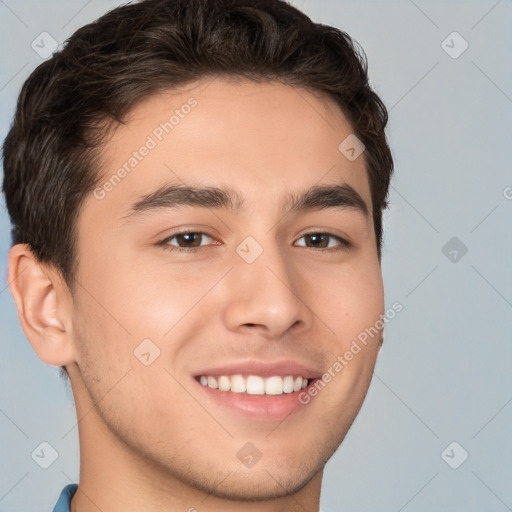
x=149, y=440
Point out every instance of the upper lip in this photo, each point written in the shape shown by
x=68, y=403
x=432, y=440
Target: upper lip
x=261, y=368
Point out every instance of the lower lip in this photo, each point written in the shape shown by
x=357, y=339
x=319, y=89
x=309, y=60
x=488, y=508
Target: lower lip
x=263, y=407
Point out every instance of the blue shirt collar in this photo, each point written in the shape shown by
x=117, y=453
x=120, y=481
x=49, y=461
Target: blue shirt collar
x=64, y=500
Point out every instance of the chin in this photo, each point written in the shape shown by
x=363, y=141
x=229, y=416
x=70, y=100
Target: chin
x=259, y=485
x=267, y=480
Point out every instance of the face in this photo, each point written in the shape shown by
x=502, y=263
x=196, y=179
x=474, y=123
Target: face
x=258, y=284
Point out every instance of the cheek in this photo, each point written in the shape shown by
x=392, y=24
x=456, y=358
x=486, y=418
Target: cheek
x=128, y=311
x=119, y=384
x=352, y=308
x=102, y=342
x=350, y=302
x=127, y=298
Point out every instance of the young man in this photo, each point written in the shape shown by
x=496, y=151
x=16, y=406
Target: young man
x=196, y=191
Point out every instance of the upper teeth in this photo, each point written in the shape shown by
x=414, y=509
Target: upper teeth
x=255, y=385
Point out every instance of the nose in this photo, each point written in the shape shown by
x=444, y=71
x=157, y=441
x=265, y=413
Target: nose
x=265, y=296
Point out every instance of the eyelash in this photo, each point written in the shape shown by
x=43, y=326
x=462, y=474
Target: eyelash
x=343, y=244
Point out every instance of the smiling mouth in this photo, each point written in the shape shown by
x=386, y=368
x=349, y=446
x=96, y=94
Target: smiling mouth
x=255, y=384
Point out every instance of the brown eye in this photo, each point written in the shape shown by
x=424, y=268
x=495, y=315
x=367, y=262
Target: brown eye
x=188, y=240
x=322, y=241
x=318, y=240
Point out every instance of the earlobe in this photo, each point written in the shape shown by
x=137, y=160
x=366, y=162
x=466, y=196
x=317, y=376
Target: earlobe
x=44, y=306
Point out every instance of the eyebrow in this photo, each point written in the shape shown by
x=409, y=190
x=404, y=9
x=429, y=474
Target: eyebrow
x=318, y=197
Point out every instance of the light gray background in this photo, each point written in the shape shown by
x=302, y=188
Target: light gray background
x=444, y=372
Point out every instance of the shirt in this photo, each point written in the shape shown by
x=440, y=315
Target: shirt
x=64, y=500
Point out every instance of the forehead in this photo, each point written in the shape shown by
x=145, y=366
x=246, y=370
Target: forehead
x=265, y=140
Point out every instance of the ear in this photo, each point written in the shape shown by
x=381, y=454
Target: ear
x=44, y=306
